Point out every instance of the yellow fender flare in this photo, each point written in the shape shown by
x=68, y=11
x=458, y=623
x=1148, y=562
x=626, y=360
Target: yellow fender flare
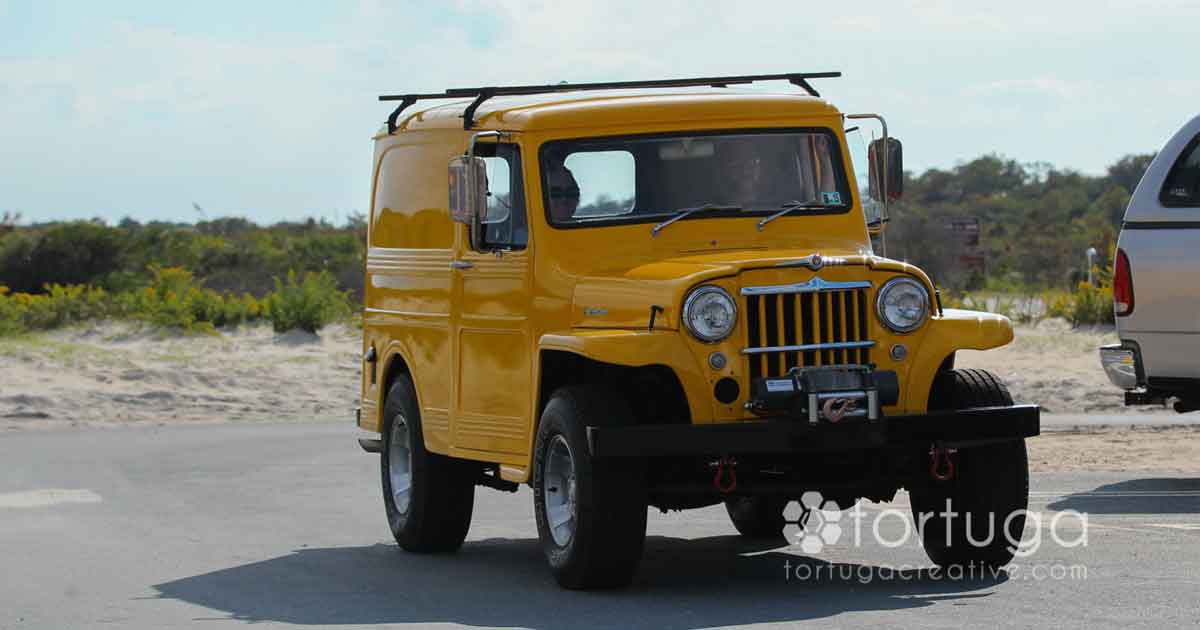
x=639, y=348
x=954, y=330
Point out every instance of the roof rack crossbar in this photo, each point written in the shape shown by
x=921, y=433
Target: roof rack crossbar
x=481, y=94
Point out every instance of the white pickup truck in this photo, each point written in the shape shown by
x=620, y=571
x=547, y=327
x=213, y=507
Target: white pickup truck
x=1156, y=292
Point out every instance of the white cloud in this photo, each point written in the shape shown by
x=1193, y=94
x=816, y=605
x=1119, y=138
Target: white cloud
x=148, y=119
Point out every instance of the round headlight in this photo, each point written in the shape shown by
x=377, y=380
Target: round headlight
x=903, y=304
x=709, y=313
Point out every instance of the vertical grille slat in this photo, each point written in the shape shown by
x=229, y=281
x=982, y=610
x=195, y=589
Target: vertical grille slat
x=849, y=317
x=806, y=325
x=826, y=336
x=864, y=354
x=805, y=318
x=837, y=323
x=788, y=322
x=752, y=334
x=770, y=317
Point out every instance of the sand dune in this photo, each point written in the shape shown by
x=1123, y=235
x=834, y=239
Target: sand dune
x=124, y=374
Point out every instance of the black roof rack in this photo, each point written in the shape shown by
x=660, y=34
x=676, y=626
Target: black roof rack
x=482, y=94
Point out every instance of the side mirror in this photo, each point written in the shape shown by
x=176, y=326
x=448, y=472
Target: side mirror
x=890, y=163
x=468, y=193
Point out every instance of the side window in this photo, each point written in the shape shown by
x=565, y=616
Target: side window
x=606, y=183
x=505, y=225
x=1182, y=186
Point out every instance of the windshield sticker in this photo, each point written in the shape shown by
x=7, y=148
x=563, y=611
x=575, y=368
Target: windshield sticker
x=832, y=198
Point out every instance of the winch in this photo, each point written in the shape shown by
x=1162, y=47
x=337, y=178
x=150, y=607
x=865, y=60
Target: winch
x=830, y=392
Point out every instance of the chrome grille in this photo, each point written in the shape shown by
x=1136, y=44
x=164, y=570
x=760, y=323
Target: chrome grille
x=806, y=324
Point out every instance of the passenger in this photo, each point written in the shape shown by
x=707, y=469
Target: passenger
x=563, y=193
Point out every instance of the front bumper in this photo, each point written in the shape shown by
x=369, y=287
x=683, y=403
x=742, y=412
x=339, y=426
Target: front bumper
x=951, y=429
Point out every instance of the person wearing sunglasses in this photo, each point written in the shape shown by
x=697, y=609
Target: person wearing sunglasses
x=563, y=193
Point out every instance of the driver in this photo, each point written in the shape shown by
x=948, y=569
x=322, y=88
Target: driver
x=745, y=173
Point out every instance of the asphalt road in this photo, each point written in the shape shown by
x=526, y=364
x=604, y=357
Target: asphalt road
x=275, y=525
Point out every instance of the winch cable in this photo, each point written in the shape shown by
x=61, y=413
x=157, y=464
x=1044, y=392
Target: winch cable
x=836, y=408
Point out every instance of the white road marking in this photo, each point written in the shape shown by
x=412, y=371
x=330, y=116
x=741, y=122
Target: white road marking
x=47, y=497
x=1184, y=526
x=1122, y=493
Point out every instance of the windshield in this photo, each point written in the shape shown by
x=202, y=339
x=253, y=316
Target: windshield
x=644, y=179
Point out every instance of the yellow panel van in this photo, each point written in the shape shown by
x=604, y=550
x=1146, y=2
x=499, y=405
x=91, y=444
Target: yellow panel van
x=664, y=294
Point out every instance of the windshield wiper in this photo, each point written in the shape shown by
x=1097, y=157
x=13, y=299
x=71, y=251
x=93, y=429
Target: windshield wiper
x=786, y=208
x=683, y=213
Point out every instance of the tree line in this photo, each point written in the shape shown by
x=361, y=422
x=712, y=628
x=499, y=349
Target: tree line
x=1036, y=221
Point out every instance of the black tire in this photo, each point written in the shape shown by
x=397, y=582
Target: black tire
x=442, y=489
x=609, y=506
x=757, y=517
x=990, y=484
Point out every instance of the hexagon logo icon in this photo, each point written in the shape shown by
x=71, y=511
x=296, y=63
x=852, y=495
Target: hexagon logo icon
x=812, y=522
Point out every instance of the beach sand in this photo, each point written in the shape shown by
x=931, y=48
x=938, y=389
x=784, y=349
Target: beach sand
x=122, y=374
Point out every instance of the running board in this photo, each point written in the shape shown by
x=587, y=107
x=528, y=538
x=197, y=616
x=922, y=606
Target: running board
x=489, y=476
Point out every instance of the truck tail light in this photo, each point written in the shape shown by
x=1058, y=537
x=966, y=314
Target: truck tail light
x=1122, y=286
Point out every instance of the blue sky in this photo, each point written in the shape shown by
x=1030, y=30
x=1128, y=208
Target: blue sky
x=265, y=109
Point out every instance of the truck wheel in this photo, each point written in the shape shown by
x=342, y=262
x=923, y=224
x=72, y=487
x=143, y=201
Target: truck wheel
x=591, y=512
x=987, y=496
x=428, y=497
x=757, y=517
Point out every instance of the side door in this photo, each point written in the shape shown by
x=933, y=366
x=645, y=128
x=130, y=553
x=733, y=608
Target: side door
x=491, y=326
x=1161, y=238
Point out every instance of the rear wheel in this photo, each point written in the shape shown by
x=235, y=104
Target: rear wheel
x=591, y=512
x=978, y=516
x=428, y=497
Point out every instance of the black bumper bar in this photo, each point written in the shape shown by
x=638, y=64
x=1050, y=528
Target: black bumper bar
x=967, y=427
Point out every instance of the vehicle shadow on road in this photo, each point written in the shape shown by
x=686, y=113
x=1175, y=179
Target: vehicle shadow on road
x=1165, y=495
x=682, y=584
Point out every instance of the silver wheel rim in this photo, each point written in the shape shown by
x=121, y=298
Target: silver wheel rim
x=400, y=464
x=559, y=490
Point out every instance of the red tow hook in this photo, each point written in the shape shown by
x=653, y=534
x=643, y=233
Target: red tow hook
x=941, y=467
x=726, y=479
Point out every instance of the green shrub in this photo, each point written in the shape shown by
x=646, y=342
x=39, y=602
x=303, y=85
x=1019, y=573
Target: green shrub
x=307, y=304
x=66, y=253
x=175, y=300
x=58, y=306
x=1086, y=305
x=12, y=318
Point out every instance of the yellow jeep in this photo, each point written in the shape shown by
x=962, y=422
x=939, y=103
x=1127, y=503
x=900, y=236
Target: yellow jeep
x=665, y=293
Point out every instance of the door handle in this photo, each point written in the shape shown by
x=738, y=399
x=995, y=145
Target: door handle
x=461, y=264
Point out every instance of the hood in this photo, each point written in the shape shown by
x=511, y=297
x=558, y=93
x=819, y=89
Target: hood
x=624, y=298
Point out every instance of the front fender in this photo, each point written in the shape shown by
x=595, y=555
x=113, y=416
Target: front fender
x=954, y=330
x=639, y=348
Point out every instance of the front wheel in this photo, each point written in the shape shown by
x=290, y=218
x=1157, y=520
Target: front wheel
x=978, y=516
x=591, y=512
x=757, y=516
